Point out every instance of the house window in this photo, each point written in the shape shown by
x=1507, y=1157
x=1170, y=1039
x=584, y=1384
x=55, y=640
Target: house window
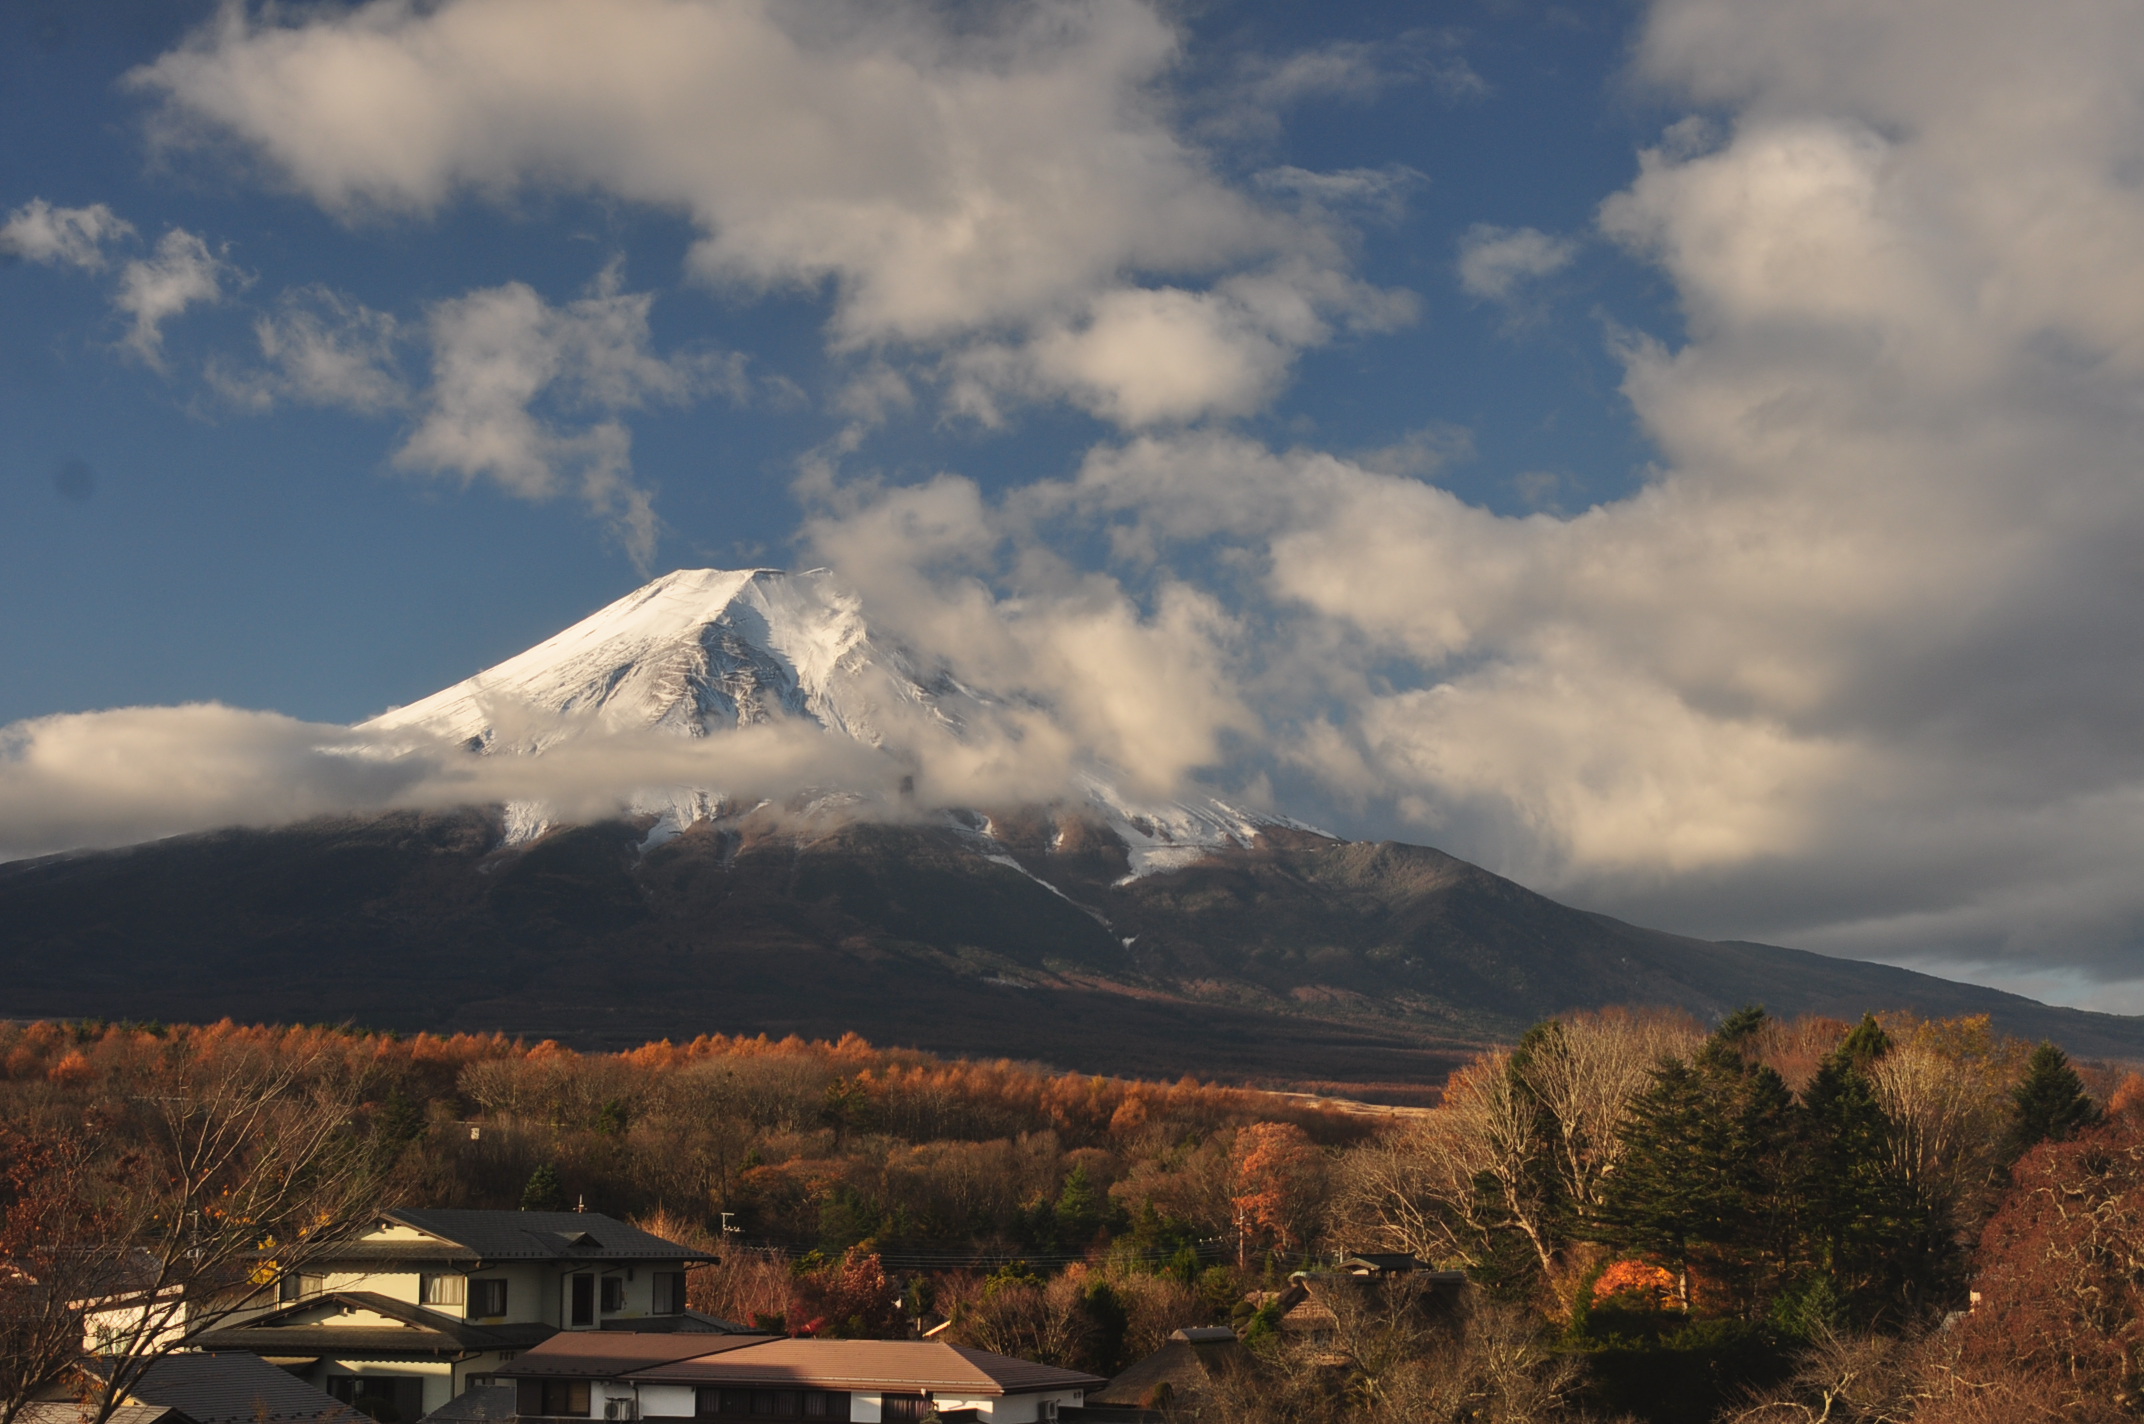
x=613, y=1294
x=565, y=1397
x=293, y=1286
x=389, y=1399
x=817, y=1404
x=904, y=1408
x=580, y=1301
x=488, y=1298
x=669, y=1292
x=441, y=1290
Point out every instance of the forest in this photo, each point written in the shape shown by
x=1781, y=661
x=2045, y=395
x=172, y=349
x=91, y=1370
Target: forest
x=1759, y=1221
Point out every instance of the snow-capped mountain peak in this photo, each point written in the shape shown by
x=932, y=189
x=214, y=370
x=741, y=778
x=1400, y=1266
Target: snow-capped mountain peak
x=701, y=651
x=694, y=652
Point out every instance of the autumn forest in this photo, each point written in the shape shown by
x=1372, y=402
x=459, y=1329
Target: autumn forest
x=1760, y=1220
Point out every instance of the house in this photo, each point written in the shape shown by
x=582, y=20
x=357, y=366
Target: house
x=54, y=1411
x=187, y=1388
x=1308, y=1306
x=1174, y=1380
x=235, y=1388
x=771, y=1378
x=423, y=1305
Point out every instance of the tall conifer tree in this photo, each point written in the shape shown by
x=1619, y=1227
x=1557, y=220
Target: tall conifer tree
x=2051, y=1103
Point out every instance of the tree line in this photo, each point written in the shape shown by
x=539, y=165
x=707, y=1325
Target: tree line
x=1892, y=1219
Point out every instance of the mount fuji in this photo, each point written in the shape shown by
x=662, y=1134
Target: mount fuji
x=1090, y=928
x=702, y=651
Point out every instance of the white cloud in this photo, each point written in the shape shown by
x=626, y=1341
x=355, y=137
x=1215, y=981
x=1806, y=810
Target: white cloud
x=39, y=232
x=322, y=348
x=1494, y=262
x=181, y=273
x=115, y=778
x=980, y=191
x=1264, y=86
x=1859, y=667
x=514, y=380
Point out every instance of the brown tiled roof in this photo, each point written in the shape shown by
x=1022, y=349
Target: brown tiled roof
x=613, y=1354
x=870, y=1365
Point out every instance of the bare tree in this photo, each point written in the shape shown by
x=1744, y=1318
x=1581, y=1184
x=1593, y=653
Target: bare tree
x=252, y=1166
x=52, y=1229
x=1584, y=1072
x=1946, y=1088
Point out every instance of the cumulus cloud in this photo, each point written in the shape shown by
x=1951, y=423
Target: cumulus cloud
x=498, y=352
x=182, y=272
x=993, y=191
x=39, y=232
x=1858, y=668
x=1494, y=262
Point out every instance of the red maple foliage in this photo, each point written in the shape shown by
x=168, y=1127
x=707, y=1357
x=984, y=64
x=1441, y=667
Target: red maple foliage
x=1278, y=1172
x=2061, y=1280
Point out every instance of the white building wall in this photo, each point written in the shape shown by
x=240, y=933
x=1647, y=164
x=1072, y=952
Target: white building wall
x=668, y=1401
x=863, y=1408
x=395, y=1285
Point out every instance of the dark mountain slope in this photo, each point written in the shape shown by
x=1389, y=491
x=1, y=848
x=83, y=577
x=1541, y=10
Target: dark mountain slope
x=1303, y=959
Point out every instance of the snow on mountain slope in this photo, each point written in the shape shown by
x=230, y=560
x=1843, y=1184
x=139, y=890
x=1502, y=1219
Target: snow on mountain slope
x=700, y=651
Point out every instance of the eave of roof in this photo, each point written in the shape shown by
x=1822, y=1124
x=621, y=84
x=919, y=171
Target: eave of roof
x=869, y=1365
x=419, y=1331
x=502, y=1236
x=603, y=1354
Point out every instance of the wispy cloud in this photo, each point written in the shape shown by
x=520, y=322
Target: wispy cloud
x=75, y=237
x=1496, y=263
x=182, y=272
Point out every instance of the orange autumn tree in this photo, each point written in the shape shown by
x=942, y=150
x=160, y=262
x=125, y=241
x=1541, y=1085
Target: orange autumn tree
x=1279, y=1186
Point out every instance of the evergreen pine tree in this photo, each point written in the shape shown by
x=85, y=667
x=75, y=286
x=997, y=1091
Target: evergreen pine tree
x=1861, y=1227
x=543, y=1192
x=2050, y=1103
x=1079, y=1209
x=1706, y=1173
x=1865, y=1043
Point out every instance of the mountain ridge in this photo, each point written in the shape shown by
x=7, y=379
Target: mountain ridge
x=1093, y=931
x=901, y=933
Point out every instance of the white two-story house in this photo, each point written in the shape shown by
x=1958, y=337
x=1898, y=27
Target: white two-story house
x=424, y=1304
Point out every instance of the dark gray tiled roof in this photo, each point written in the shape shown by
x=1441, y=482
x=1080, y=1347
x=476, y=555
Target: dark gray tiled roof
x=520, y=1236
x=41, y=1411
x=282, y=1331
x=236, y=1388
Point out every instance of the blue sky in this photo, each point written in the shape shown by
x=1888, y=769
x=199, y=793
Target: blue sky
x=277, y=561
x=1684, y=455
